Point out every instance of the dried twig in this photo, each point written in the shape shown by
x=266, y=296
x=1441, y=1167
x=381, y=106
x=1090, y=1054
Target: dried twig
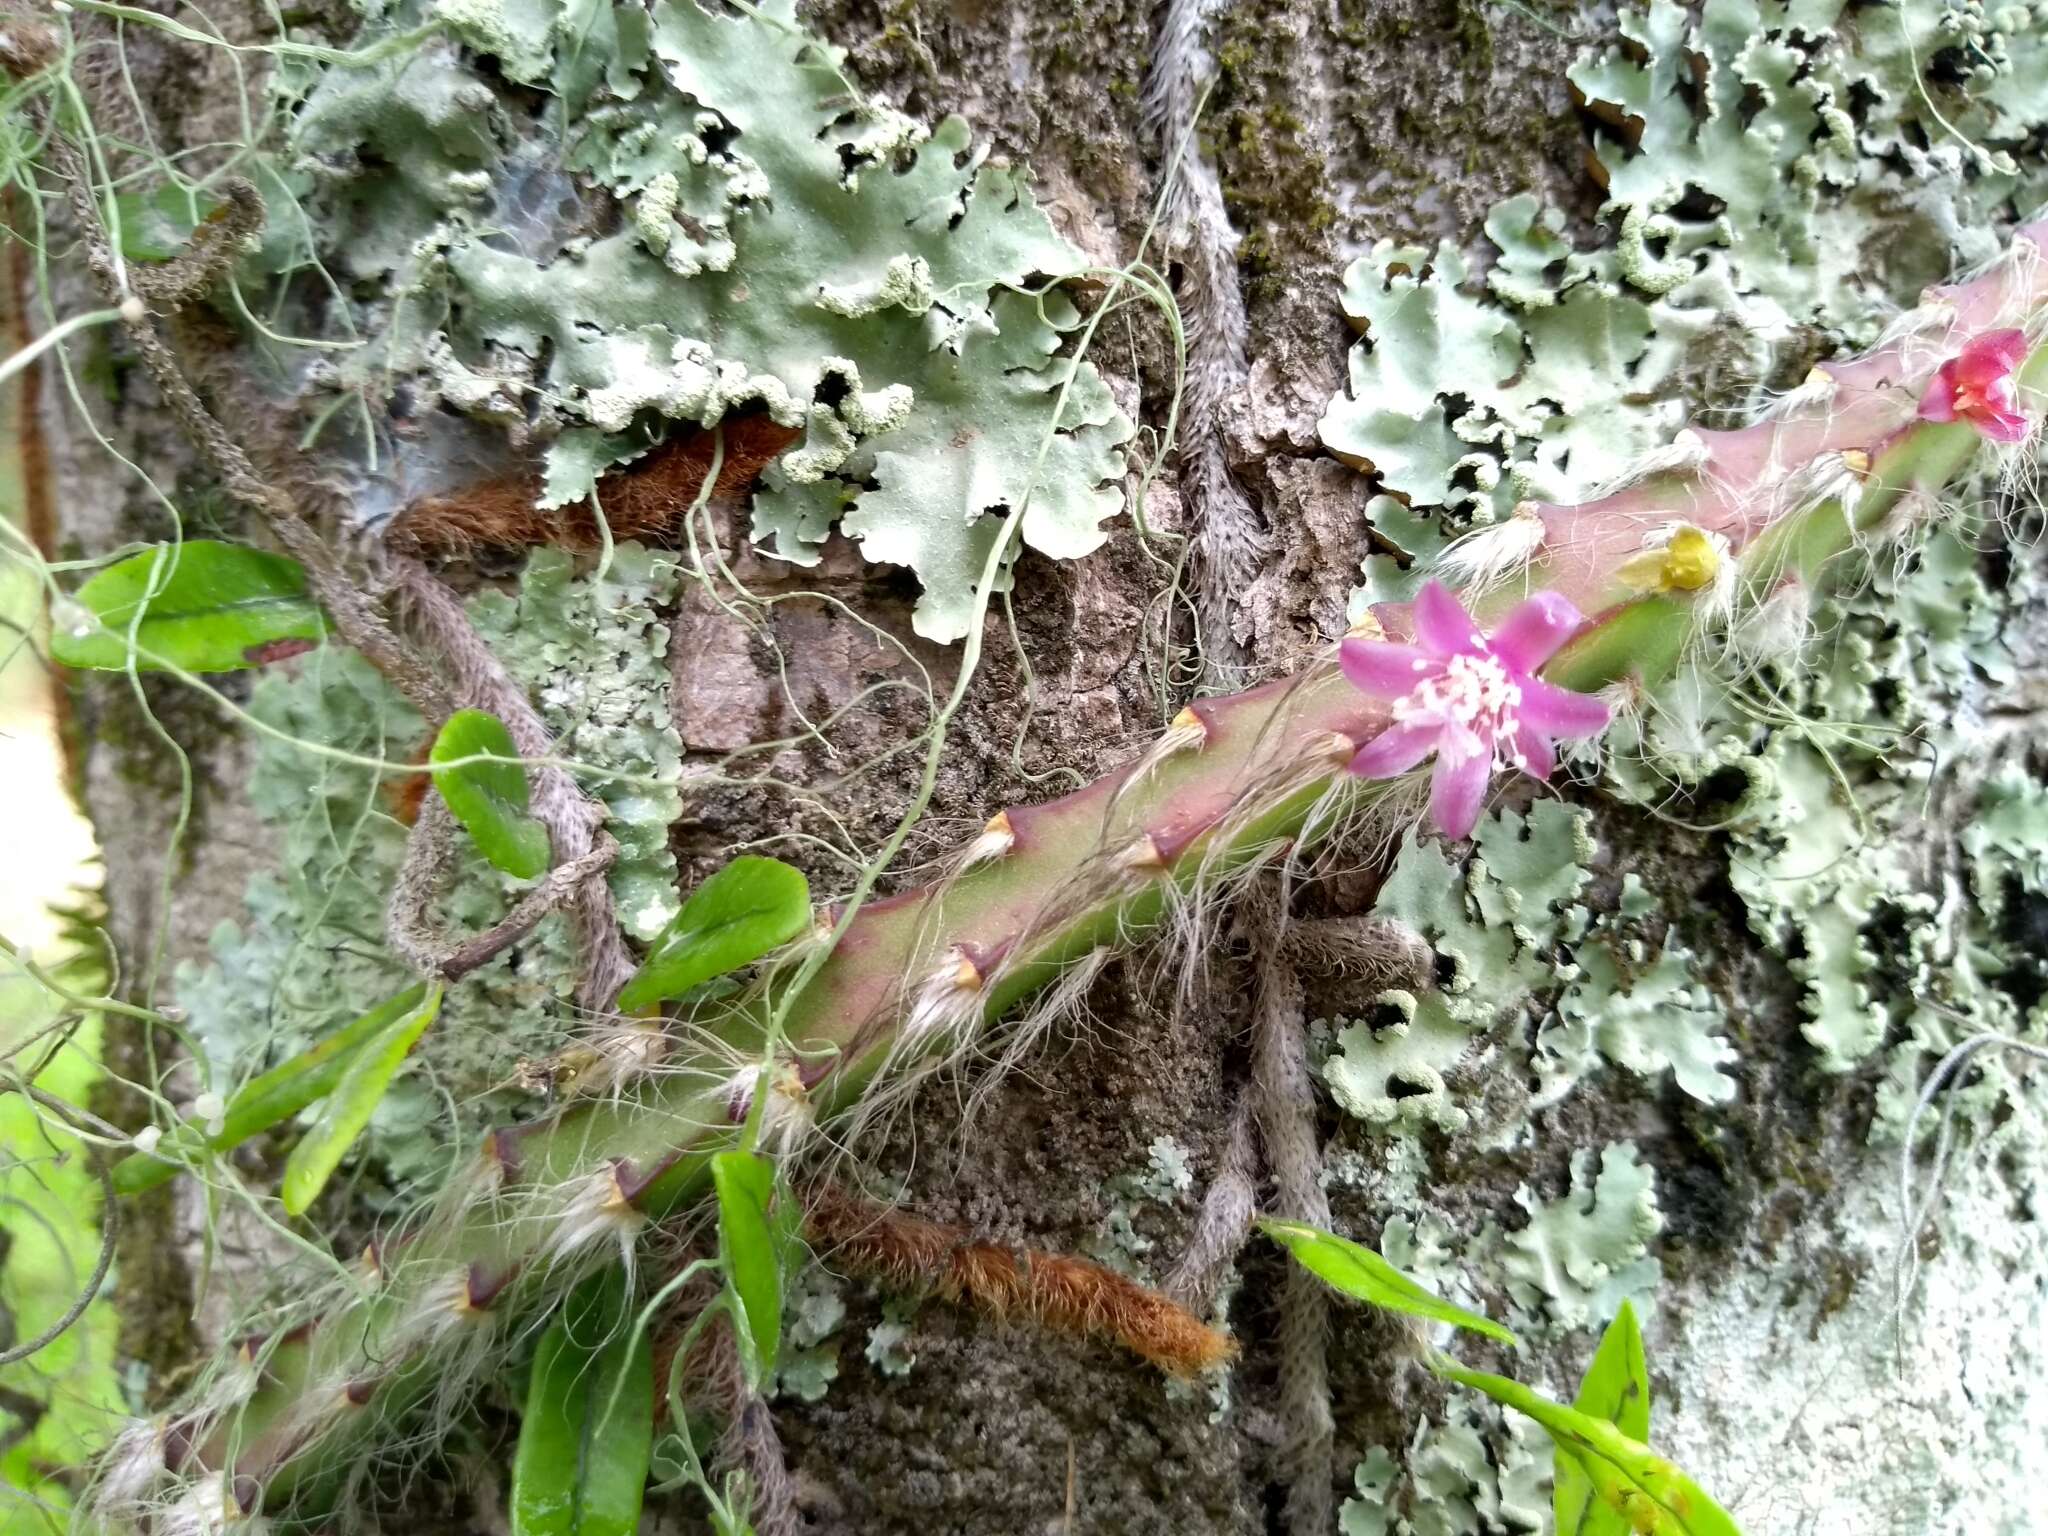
x=428, y=855
x=572, y=818
x=1225, y=1220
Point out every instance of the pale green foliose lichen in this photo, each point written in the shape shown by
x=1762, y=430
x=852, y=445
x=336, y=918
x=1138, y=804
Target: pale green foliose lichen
x=787, y=245
x=1830, y=773
x=594, y=652
x=1580, y=1256
x=1476, y=1470
x=1780, y=174
x=1642, y=1009
x=1519, y=944
x=809, y=1361
x=1167, y=1179
x=888, y=1348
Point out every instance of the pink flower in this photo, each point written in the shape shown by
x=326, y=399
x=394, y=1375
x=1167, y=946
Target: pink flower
x=1977, y=385
x=1472, y=699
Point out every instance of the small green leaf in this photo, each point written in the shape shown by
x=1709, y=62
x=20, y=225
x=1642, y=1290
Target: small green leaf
x=1616, y=1387
x=1646, y=1491
x=489, y=799
x=1358, y=1271
x=155, y=226
x=268, y=1100
x=216, y=608
x=588, y=1430
x=348, y=1109
x=755, y=1238
x=731, y=920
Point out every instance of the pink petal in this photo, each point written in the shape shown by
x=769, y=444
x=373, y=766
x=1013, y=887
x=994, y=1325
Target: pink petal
x=1394, y=751
x=1531, y=635
x=1938, y=403
x=1558, y=712
x=1442, y=624
x=2001, y=425
x=1991, y=358
x=1456, y=790
x=1532, y=747
x=1386, y=670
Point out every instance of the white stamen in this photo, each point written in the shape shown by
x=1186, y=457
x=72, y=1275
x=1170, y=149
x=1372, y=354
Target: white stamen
x=1187, y=732
x=1474, y=692
x=1826, y=477
x=1686, y=454
x=1142, y=855
x=442, y=1309
x=788, y=1117
x=597, y=1212
x=207, y=1510
x=949, y=998
x=1187, y=729
x=1816, y=390
x=1779, y=628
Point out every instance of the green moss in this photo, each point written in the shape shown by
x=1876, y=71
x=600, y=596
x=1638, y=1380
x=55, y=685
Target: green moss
x=1276, y=182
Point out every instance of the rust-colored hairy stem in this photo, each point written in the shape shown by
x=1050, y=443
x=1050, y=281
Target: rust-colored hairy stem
x=1056, y=1291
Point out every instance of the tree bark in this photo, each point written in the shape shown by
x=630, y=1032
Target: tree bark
x=1330, y=126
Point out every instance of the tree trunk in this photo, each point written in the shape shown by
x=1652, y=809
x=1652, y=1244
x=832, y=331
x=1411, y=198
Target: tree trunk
x=1756, y=1226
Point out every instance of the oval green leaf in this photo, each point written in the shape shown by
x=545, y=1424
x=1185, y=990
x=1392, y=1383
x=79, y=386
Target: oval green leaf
x=268, y=1100
x=216, y=608
x=731, y=920
x=1359, y=1272
x=489, y=799
x=155, y=226
x=588, y=1429
x=755, y=1237
x=1648, y=1492
x=1616, y=1387
x=355, y=1096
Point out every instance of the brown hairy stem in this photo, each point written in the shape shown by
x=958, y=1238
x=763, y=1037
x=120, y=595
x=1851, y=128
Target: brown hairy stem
x=573, y=819
x=338, y=593
x=1054, y=1290
x=645, y=499
x=1283, y=1096
x=429, y=852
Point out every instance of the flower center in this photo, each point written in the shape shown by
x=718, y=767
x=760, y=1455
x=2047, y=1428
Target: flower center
x=1983, y=397
x=1474, y=690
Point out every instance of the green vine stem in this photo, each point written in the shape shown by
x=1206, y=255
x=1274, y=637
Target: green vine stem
x=1028, y=908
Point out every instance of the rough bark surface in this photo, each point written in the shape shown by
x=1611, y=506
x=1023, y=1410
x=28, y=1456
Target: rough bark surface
x=1333, y=125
